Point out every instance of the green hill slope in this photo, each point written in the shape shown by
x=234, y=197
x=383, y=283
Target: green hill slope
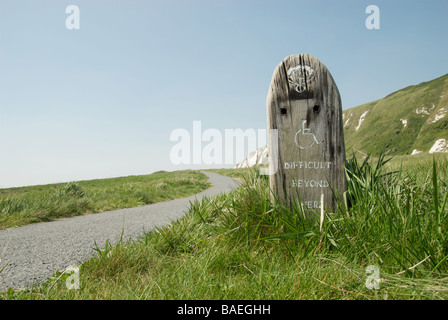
x=412, y=118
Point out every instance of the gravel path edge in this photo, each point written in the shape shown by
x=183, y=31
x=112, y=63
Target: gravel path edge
x=34, y=252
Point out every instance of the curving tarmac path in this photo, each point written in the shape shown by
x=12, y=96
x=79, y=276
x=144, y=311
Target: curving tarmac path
x=33, y=252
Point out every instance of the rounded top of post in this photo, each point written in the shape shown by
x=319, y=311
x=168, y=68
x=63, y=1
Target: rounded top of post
x=300, y=74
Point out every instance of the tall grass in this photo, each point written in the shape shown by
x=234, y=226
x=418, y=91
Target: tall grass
x=396, y=219
x=245, y=246
x=64, y=201
x=19, y=206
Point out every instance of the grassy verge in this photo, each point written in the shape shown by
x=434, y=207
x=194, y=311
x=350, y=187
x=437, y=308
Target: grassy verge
x=243, y=246
x=19, y=206
x=237, y=174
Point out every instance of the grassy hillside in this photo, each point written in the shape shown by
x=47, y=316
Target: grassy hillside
x=19, y=206
x=411, y=118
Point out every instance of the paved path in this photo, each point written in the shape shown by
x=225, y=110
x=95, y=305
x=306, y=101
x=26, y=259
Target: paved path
x=35, y=251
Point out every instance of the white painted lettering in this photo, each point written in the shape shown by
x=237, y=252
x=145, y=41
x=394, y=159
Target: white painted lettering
x=309, y=183
x=311, y=165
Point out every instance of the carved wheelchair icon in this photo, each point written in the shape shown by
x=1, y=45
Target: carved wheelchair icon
x=304, y=135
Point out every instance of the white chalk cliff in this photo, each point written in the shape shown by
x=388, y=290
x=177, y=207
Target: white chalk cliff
x=257, y=157
x=440, y=145
x=260, y=156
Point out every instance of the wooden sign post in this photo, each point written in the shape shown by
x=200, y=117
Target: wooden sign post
x=307, y=153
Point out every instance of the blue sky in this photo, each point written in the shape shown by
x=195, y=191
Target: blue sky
x=102, y=101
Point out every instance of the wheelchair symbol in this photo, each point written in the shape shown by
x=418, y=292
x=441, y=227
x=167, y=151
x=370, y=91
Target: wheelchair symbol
x=307, y=133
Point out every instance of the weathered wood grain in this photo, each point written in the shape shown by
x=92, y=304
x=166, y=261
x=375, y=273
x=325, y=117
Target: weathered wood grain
x=304, y=105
